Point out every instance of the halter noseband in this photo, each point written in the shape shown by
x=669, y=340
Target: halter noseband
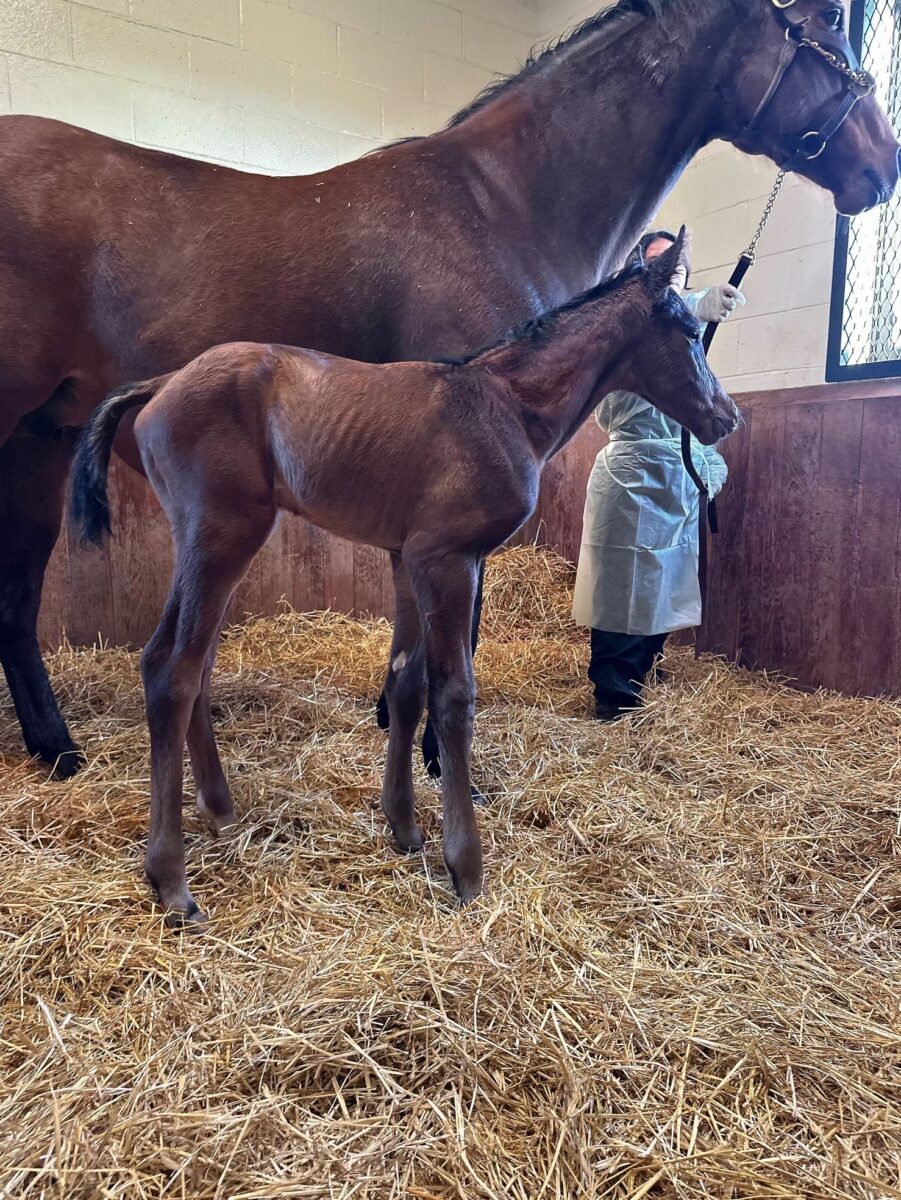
x=837, y=53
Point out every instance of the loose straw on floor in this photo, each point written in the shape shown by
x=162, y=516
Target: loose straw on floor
x=683, y=981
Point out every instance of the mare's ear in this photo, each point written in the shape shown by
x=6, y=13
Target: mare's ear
x=660, y=270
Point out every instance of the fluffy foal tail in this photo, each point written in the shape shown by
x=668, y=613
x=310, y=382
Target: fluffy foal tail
x=90, y=503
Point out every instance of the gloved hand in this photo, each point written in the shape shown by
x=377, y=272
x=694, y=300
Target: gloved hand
x=717, y=303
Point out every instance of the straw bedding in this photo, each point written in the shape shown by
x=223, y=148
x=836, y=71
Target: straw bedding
x=683, y=981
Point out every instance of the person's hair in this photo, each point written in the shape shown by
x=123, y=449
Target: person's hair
x=638, y=252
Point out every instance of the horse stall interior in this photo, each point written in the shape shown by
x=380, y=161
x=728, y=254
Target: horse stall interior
x=682, y=980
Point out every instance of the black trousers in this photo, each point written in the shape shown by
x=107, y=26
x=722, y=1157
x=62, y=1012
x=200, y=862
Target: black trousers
x=620, y=664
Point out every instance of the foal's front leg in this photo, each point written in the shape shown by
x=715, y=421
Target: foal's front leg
x=445, y=590
x=404, y=696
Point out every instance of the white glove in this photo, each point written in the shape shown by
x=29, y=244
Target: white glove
x=717, y=303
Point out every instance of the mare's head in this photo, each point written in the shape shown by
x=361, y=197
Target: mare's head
x=782, y=96
x=666, y=363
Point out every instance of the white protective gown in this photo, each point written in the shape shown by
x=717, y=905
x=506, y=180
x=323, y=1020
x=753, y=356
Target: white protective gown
x=638, y=565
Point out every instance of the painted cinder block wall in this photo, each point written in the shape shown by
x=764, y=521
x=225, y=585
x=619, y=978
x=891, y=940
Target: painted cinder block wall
x=281, y=86
x=779, y=340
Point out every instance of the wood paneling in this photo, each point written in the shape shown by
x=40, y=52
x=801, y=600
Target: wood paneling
x=805, y=575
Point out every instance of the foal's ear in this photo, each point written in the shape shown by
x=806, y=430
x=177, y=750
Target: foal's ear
x=662, y=268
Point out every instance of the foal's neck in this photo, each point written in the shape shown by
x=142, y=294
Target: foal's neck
x=556, y=374
x=596, y=138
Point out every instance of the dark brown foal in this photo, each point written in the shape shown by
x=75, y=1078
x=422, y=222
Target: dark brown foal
x=439, y=463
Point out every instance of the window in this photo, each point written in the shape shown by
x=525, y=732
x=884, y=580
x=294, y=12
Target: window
x=865, y=319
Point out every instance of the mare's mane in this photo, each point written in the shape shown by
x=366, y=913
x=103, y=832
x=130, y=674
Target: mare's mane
x=537, y=330
x=553, y=51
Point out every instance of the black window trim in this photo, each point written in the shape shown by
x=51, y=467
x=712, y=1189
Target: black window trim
x=836, y=370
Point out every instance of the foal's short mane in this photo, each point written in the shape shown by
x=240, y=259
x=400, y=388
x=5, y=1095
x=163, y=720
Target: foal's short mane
x=538, y=330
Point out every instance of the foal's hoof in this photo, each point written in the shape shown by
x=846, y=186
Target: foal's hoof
x=468, y=888
x=409, y=841
x=218, y=820
x=66, y=760
x=192, y=921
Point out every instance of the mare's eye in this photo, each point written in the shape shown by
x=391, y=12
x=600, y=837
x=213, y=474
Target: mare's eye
x=834, y=19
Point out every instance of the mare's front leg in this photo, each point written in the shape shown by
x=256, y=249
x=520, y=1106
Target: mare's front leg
x=32, y=487
x=445, y=585
x=405, y=699
x=207, y=570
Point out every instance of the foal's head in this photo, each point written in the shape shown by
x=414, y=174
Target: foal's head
x=667, y=364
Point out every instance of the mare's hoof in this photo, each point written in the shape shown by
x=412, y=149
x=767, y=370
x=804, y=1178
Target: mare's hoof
x=382, y=716
x=431, y=756
x=66, y=760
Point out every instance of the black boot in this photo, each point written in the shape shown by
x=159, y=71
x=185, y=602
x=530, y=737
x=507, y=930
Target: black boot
x=620, y=664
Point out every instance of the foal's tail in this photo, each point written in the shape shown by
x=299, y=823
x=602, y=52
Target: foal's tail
x=89, y=507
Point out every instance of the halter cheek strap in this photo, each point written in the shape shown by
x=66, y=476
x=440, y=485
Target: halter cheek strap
x=837, y=53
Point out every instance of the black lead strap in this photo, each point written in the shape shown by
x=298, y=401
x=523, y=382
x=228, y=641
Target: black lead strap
x=708, y=502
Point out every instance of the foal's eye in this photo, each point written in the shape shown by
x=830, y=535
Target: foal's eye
x=834, y=19
x=693, y=335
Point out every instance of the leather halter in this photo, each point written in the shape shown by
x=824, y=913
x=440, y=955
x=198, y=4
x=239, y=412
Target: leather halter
x=836, y=52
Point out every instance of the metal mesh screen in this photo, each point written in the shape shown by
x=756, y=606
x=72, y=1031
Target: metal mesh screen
x=871, y=314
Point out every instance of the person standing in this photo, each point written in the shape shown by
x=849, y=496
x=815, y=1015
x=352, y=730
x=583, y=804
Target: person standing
x=637, y=579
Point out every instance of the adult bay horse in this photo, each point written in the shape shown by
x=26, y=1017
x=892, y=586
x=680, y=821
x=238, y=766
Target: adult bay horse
x=445, y=458
x=119, y=263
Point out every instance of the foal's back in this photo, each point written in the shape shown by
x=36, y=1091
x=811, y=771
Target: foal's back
x=372, y=453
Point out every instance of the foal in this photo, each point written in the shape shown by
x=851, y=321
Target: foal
x=436, y=462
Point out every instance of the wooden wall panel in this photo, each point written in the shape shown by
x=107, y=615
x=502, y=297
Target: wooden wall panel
x=816, y=556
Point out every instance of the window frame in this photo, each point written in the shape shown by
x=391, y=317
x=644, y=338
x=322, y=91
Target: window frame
x=836, y=370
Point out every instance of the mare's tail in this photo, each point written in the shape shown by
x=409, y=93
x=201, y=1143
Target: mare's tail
x=89, y=507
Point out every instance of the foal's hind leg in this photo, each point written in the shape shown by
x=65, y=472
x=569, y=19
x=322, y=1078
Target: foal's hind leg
x=32, y=487
x=208, y=568
x=405, y=697
x=430, y=753
x=214, y=800
x=445, y=591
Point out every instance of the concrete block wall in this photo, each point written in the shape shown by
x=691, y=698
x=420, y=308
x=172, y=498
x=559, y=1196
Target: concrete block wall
x=281, y=86
x=779, y=339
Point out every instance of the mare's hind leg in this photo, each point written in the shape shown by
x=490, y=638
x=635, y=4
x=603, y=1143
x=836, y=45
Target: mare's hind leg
x=405, y=697
x=445, y=586
x=207, y=570
x=214, y=800
x=32, y=488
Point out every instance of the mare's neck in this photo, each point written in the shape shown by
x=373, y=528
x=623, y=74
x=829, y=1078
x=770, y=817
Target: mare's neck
x=557, y=377
x=584, y=151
